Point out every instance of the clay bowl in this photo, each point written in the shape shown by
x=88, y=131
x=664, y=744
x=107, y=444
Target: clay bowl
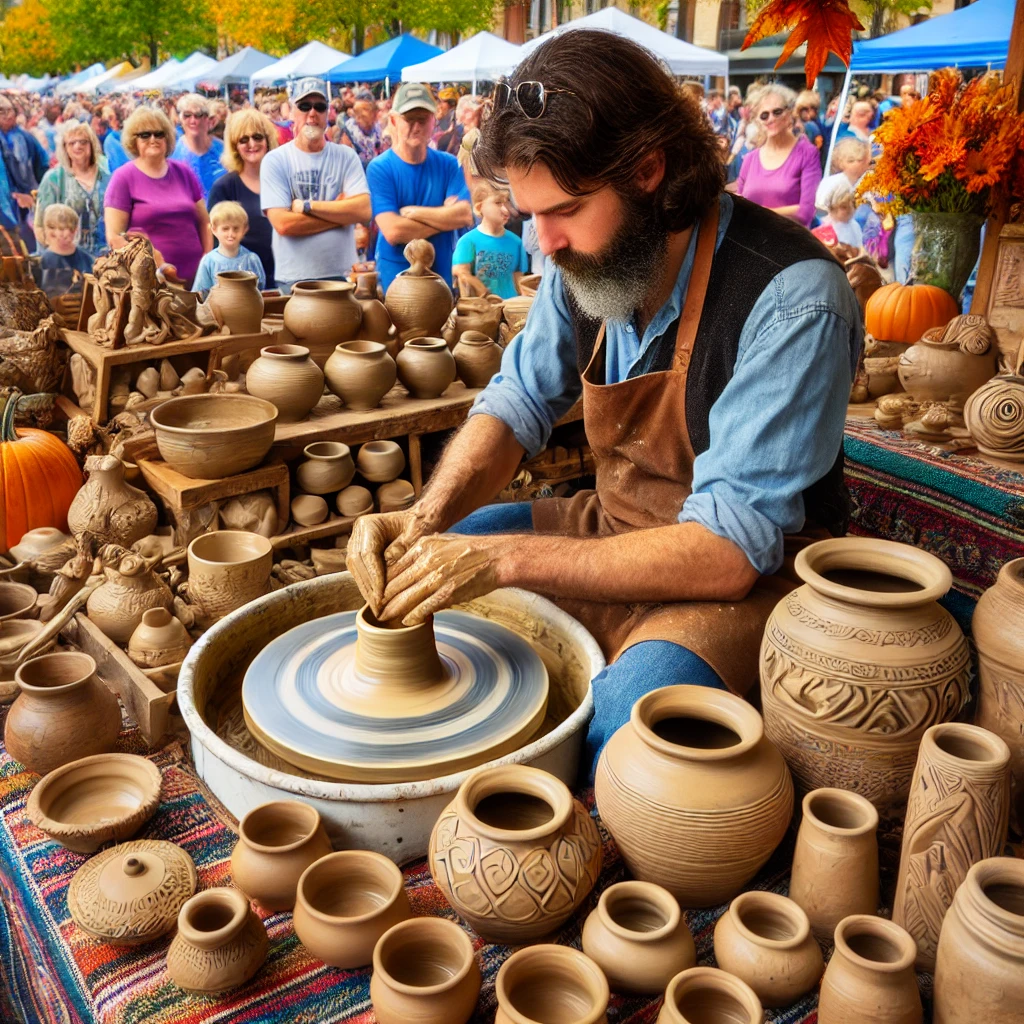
x=212, y=436
x=707, y=995
x=309, y=509
x=551, y=983
x=95, y=800
x=380, y=461
x=17, y=600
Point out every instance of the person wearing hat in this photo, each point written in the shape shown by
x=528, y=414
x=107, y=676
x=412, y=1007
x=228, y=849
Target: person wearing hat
x=446, y=124
x=313, y=195
x=417, y=192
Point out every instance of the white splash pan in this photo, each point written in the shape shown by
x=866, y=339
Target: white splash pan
x=394, y=819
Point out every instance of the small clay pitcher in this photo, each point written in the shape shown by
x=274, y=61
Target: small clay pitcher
x=287, y=376
x=380, y=461
x=551, y=983
x=705, y=995
x=354, y=501
x=360, y=373
x=321, y=315
x=159, y=639
x=327, y=469
x=108, y=508
x=237, y=302
x=426, y=367
x=226, y=570
x=478, y=358
x=377, y=326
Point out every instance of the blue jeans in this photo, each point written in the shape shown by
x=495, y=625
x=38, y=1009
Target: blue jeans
x=639, y=669
x=902, y=247
x=285, y=287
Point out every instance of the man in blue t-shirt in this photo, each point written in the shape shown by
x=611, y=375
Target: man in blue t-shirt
x=416, y=191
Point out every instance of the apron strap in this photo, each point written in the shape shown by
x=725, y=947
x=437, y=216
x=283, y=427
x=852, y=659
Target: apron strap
x=686, y=336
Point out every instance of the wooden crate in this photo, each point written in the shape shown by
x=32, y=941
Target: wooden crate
x=333, y=526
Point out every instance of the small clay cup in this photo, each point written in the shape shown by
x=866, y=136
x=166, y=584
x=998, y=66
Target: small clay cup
x=354, y=501
x=327, y=468
x=380, y=461
x=705, y=995
x=226, y=570
x=17, y=601
x=545, y=983
x=309, y=509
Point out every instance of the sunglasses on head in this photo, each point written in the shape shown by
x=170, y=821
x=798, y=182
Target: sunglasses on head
x=776, y=113
x=255, y=137
x=319, y=106
x=149, y=135
x=530, y=97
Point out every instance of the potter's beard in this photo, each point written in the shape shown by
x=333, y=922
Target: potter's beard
x=611, y=284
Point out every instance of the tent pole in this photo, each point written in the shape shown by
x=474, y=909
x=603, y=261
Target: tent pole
x=839, y=119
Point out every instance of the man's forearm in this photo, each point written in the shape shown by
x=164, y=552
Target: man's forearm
x=443, y=218
x=401, y=230
x=298, y=225
x=342, y=212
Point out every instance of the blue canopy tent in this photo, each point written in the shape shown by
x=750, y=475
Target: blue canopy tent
x=385, y=62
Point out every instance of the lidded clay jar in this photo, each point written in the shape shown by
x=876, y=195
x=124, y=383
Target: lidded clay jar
x=328, y=467
x=693, y=793
x=417, y=299
x=637, y=936
x=706, y=995
x=551, y=983
x=286, y=376
x=426, y=367
x=321, y=315
x=478, y=358
x=236, y=301
x=159, y=639
x=380, y=461
x=360, y=373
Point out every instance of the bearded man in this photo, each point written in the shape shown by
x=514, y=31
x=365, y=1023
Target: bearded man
x=713, y=343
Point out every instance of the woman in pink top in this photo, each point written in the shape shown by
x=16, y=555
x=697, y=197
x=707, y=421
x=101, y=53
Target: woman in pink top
x=784, y=173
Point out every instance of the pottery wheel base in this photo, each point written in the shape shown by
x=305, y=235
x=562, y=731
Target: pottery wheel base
x=304, y=700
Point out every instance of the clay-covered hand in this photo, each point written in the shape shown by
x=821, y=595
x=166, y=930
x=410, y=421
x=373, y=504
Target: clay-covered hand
x=378, y=541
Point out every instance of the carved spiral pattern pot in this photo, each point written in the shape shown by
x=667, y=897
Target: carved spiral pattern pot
x=994, y=415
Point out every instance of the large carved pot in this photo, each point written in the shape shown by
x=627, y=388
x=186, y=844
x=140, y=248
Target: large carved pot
x=321, y=315
x=857, y=663
x=994, y=415
x=418, y=299
x=109, y=509
x=693, y=793
x=236, y=301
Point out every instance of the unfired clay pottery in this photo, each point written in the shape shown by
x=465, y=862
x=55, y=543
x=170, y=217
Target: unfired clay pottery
x=418, y=299
x=236, y=301
x=226, y=570
x=957, y=814
x=870, y=978
x=478, y=358
x=159, y=639
x=148, y=382
x=38, y=542
x=547, y=983
x=638, y=937
x=424, y=971
x=220, y=943
x=309, y=509
x=705, y=995
x=858, y=662
x=994, y=416
x=380, y=461
x=765, y=940
x=345, y=902
x=360, y=373
x=694, y=794
x=377, y=325
x=354, y=501
x=130, y=589
x=17, y=601
x=835, y=863
x=545, y=841
x=108, y=508
x=426, y=367
x=321, y=315
x=365, y=282
x=472, y=314
x=95, y=800
x=979, y=969
x=286, y=376
x=327, y=468
x=395, y=496
x=63, y=712
x=951, y=367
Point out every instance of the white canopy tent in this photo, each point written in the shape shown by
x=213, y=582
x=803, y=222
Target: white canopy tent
x=94, y=86
x=238, y=68
x=314, y=58
x=72, y=84
x=484, y=57
x=192, y=69
x=155, y=79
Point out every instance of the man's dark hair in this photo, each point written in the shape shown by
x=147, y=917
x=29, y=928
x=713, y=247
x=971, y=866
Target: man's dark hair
x=623, y=106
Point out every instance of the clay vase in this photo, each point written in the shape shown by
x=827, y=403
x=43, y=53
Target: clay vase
x=226, y=570
x=545, y=841
x=765, y=940
x=277, y=841
x=478, y=358
x=377, y=325
x=979, y=968
x=108, y=508
x=327, y=469
x=129, y=591
x=236, y=301
x=693, y=793
x=426, y=367
x=62, y=713
x=360, y=373
x=288, y=377
x=345, y=902
x=417, y=299
x=835, y=863
x=957, y=815
x=309, y=509
x=321, y=315
x=551, y=983
x=705, y=995
x=472, y=314
x=380, y=461
x=424, y=971
x=998, y=630
x=637, y=936
x=994, y=416
x=870, y=978
x=858, y=662
x=220, y=943
x=159, y=639
x=354, y=501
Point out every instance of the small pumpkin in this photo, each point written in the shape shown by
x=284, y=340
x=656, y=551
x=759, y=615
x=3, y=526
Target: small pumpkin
x=903, y=312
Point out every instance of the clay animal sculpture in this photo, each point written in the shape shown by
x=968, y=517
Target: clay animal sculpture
x=547, y=982
x=108, y=508
x=129, y=590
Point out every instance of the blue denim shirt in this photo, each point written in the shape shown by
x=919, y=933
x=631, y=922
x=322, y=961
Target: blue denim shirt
x=774, y=430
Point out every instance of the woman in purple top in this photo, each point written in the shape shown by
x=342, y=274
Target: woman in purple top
x=783, y=174
x=159, y=198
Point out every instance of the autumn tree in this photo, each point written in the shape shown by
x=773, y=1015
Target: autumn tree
x=27, y=41
x=884, y=15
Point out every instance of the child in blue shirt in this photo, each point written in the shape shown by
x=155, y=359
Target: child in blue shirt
x=489, y=258
x=62, y=264
x=229, y=223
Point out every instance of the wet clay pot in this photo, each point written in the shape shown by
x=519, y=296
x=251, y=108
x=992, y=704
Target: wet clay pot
x=957, y=814
x=226, y=570
x=380, y=461
x=472, y=314
x=478, y=358
x=237, y=302
x=62, y=713
x=979, y=969
x=360, y=373
x=417, y=299
x=693, y=793
x=857, y=663
x=994, y=416
x=345, y=902
x=765, y=940
x=705, y=995
x=108, y=508
x=327, y=468
x=277, y=841
x=377, y=325
x=424, y=971
x=426, y=367
x=835, y=863
x=545, y=841
x=159, y=639
x=220, y=943
x=287, y=376
x=354, y=501
x=870, y=978
x=129, y=590
x=321, y=315
x=637, y=936
x=551, y=983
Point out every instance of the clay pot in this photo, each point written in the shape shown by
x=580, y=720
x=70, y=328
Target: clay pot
x=551, y=983
x=226, y=570
x=40, y=541
x=478, y=358
x=870, y=978
x=108, y=508
x=345, y=902
x=366, y=284
x=130, y=590
x=277, y=841
x=638, y=937
x=395, y=496
x=328, y=467
x=858, y=662
x=377, y=325
x=994, y=416
x=693, y=793
x=321, y=315
x=159, y=639
x=354, y=501
x=360, y=373
x=704, y=995
x=62, y=713
x=979, y=969
x=380, y=461
x=17, y=601
x=424, y=970
x=236, y=301
x=472, y=314
x=417, y=299
x=309, y=509
x=765, y=940
x=957, y=814
x=286, y=376
x=220, y=943
x=941, y=371
x=835, y=863
x=546, y=842
x=426, y=367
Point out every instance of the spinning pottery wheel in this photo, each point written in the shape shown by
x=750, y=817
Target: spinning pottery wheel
x=350, y=698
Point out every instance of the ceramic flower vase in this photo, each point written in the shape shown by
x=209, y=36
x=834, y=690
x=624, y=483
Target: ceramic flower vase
x=360, y=373
x=426, y=367
x=236, y=301
x=109, y=509
x=946, y=247
x=327, y=468
x=287, y=376
x=418, y=300
x=551, y=983
x=159, y=639
x=322, y=314
x=477, y=357
x=994, y=416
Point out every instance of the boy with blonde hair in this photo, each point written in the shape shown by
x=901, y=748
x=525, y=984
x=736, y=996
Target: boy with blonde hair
x=61, y=256
x=850, y=160
x=489, y=258
x=229, y=223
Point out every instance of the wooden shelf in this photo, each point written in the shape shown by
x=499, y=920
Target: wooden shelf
x=332, y=527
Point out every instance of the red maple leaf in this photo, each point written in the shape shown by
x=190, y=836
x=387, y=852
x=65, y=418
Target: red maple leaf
x=823, y=25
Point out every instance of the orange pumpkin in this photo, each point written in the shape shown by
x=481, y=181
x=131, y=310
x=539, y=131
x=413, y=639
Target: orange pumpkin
x=903, y=312
x=39, y=479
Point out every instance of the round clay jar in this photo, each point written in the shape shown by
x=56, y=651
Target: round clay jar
x=354, y=501
x=17, y=601
x=309, y=509
x=286, y=376
x=380, y=461
x=636, y=935
x=159, y=639
x=321, y=315
x=478, y=358
x=551, y=983
x=327, y=468
x=705, y=995
x=765, y=939
x=360, y=373
x=236, y=301
x=426, y=367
